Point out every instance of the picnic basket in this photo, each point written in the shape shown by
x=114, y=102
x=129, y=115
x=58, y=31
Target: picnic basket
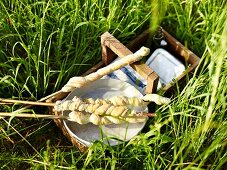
x=111, y=47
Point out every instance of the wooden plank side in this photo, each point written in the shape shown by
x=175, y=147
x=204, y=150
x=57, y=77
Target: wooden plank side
x=180, y=49
x=109, y=41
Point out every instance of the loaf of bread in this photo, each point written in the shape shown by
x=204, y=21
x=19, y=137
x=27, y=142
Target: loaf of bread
x=98, y=109
x=84, y=118
x=107, y=111
x=126, y=101
x=77, y=82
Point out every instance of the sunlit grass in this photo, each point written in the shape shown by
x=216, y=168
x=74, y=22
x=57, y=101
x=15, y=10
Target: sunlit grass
x=45, y=43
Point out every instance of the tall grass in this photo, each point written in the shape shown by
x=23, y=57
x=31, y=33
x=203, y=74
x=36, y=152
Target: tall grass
x=44, y=43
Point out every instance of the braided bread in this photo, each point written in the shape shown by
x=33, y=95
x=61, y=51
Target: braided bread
x=123, y=100
x=84, y=118
x=117, y=101
x=107, y=111
x=159, y=100
x=98, y=109
x=77, y=82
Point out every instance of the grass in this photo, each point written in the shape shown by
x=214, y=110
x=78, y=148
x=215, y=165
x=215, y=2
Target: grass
x=44, y=43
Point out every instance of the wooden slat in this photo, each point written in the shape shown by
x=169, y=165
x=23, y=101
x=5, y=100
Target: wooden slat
x=94, y=68
x=180, y=49
x=138, y=41
x=184, y=53
x=109, y=41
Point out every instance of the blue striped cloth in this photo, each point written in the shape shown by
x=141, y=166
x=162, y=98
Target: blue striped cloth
x=158, y=60
x=129, y=75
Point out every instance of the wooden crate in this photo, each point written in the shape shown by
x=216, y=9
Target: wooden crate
x=111, y=48
x=176, y=48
